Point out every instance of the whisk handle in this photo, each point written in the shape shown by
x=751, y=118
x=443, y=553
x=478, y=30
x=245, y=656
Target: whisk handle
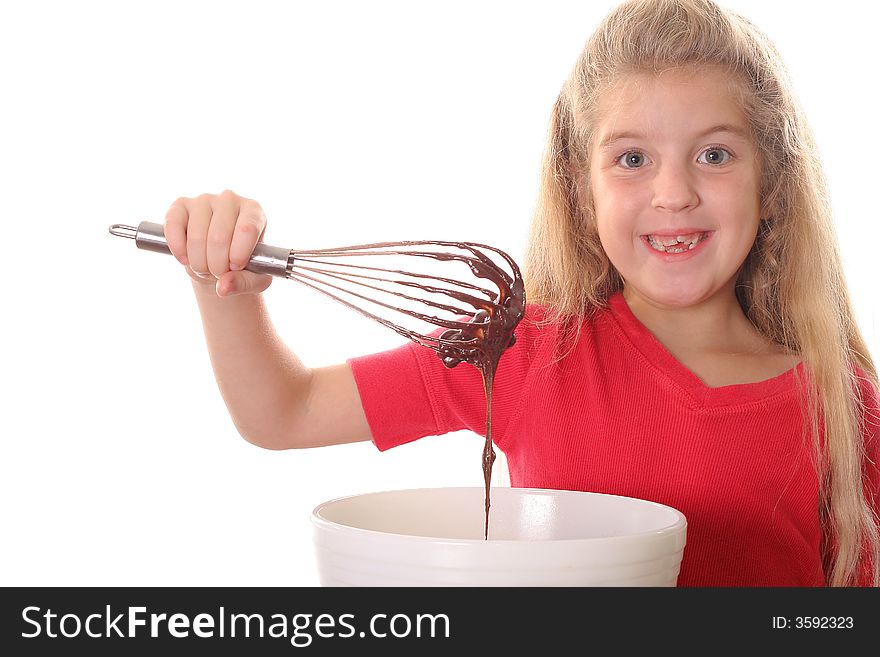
x=150, y=236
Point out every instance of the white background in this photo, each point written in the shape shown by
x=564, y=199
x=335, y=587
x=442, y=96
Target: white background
x=349, y=122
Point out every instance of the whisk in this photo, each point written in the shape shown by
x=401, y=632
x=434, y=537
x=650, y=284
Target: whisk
x=478, y=323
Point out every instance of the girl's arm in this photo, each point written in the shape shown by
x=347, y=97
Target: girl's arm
x=274, y=400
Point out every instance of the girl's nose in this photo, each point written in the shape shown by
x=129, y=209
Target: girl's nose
x=673, y=189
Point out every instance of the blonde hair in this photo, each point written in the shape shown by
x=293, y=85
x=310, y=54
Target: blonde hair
x=809, y=313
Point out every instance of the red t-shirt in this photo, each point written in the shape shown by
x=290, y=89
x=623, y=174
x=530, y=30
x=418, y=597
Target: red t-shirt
x=619, y=414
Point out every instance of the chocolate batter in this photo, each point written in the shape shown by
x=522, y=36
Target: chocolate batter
x=479, y=341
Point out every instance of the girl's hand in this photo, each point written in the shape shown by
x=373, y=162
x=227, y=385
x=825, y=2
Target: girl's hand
x=213, y=236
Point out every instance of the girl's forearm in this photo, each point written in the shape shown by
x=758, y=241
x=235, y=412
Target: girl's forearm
x=261, y=380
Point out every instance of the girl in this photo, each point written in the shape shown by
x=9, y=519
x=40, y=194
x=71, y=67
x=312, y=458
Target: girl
x=689, y=339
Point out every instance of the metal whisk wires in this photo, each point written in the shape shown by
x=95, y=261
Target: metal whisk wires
x=388, y=283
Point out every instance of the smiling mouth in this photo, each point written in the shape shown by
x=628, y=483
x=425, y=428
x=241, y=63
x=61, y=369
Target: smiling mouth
x=675, y=244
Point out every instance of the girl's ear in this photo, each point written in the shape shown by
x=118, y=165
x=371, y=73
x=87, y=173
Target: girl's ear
x=766, y=212
x=580, y=190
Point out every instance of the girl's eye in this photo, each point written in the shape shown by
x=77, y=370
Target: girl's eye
x=715, y=155
x=632, y=160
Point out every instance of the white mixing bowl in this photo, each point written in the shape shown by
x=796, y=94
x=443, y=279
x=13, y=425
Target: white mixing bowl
x=537, y=537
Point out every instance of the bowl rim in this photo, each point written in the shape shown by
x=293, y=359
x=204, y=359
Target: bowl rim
x=322, y=523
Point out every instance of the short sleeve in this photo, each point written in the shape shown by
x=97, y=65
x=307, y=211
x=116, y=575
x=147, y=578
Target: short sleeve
x=408, y=393
x=393, y=396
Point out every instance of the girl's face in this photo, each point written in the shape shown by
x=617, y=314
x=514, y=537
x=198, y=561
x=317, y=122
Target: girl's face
x=675, y=179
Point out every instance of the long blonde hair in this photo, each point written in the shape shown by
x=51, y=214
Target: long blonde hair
x=791, y=285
